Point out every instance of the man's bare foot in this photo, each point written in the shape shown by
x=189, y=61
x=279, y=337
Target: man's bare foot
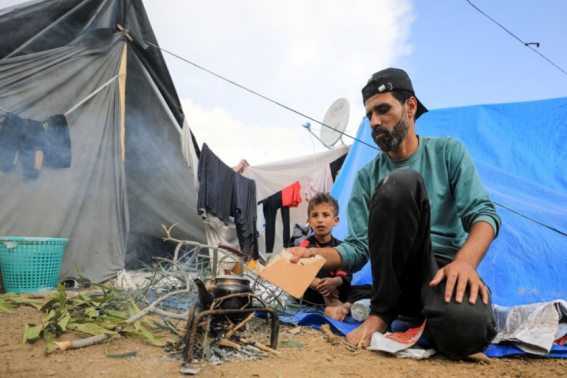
x=363, y=334
x=338, y=313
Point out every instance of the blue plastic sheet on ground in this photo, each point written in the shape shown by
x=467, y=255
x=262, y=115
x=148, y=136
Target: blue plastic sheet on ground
x=316, y=320
x=507, y=350
x=178, y=303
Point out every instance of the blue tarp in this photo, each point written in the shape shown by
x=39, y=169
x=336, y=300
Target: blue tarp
x=316, y=320
x=520, y=153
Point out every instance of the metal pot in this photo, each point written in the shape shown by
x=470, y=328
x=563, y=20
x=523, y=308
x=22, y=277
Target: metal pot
x=222, y=286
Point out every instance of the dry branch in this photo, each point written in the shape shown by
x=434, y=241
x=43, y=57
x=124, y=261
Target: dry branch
x=260, y=346
x=231, y=332
x=228, y=343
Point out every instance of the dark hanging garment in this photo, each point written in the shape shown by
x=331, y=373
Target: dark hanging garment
x=57, y=146
x=271, y=206
x=244, y=204
x=216, y=183
x=11, y=131
x=34, y=144
x=21, y=140
x=31, y=148
x=336, y=166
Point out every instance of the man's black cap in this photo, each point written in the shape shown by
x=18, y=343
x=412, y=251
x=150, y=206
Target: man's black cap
x=388, y=80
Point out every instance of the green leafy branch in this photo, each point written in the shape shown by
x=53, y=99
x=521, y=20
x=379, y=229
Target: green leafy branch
x=101, y=315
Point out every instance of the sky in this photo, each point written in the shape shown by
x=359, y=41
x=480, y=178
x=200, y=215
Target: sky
x=306, y=54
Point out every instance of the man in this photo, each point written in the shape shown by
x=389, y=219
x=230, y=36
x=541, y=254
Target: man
x=410, y=211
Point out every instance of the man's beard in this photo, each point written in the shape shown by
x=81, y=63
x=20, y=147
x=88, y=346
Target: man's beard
x=392, y=138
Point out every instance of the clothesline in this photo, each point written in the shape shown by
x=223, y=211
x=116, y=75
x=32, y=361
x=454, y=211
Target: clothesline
x=96, y=91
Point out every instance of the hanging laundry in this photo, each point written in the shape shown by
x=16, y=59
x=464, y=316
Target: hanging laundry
x=22, y=140
x=216, y=182
x=244, y=198
x=271, y=206
x=319, y=181
x=225, y=194
x=10, y=135
x=34, y=144
x=57, y=145
x=291, y=195
x=336, y=166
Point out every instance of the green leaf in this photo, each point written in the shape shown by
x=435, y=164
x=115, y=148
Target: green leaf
x=117, y=314
x=64, y=321
x=18, y=299
x=132, y=308
x=49, y=305
x=112, y=319
x=207, y=348
x=32, y=332
x=50, y=338
x=46, y=319
x=149, y=335
x=85, y=298
x=62, y=296
x=133, y=335
x=5, y=306
x=124, y=355
x=291, y=344
x=90, y=328
x=91, y=312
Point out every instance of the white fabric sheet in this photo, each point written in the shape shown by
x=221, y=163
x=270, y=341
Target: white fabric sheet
x=272, y=177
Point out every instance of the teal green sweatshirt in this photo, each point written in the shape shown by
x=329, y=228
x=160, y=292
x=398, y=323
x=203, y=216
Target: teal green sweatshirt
x=455, y=191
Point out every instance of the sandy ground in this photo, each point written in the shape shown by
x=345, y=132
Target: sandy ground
x=317, y=359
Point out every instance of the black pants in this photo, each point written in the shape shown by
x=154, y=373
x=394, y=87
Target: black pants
x=403, y=264
x=271, y=206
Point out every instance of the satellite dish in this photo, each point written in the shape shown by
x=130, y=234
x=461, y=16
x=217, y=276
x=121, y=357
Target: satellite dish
x=334, y=123
x=337, y=118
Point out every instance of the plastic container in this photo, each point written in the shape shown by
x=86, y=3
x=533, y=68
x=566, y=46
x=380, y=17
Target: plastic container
x=30, y=264
x=360, y=310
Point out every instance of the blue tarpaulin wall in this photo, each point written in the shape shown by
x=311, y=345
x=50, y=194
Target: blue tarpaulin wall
x=521, y=156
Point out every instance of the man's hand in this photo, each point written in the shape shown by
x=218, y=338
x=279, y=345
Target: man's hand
x=299, y=253
x=459, y=275
x=328, y=285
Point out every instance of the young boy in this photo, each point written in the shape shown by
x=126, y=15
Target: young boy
x=331, y=288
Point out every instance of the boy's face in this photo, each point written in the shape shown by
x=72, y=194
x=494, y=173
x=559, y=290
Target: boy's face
x=322, y=219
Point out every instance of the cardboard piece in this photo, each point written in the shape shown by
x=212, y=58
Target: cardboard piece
x=292, y=278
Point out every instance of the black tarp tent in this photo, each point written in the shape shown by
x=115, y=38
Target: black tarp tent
x=128, y=174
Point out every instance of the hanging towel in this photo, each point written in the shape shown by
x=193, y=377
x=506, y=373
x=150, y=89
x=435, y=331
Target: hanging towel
x=291, y=195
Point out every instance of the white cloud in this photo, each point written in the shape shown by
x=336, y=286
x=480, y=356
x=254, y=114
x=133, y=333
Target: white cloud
x=304, y=54
x=232, y=140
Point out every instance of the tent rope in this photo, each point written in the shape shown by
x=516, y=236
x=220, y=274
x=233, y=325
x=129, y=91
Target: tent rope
x=531, y=219
x=321, y=123
x=262, y=96
x=93, y=94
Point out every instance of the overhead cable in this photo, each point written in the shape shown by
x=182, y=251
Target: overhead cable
x=260, y=95
x=526, y=44
x=321, y=123
x=531, y=219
